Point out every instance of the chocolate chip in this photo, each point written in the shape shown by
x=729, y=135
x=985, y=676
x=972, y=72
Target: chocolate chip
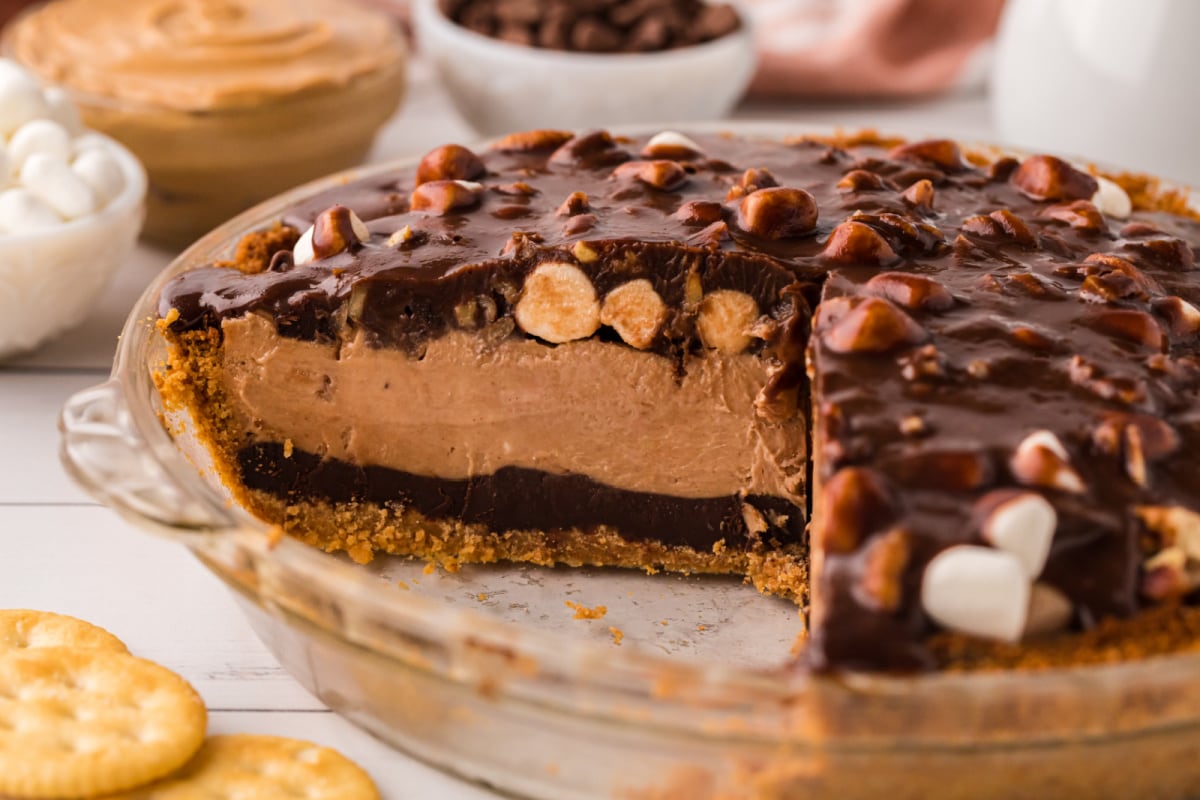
x=478, y=18
x=649, y=34
x=591, y=35
x=517, y=34
x=519, y=12
x=715, y=21
x=627, y=14
x=596, y=26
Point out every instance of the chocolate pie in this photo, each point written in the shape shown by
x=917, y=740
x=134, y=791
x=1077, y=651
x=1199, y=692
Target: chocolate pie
x=948, y=399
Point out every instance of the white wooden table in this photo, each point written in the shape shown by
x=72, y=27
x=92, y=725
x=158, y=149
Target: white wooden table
x=62, y=552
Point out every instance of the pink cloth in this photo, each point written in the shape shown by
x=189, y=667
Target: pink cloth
x=857, y=48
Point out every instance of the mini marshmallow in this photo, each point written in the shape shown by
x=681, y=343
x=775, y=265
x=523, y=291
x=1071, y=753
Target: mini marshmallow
x=38, y=136
x=22, y=212
x=99, y=170
x=977, y=591
x=363, y=232
x=671, y=140
x=89, y=140
x=1049, y=611
x=1023, y=526
x=1111, y=199
x=21, y=98
x=53, y=181
x=303, y=253
x=62, y=110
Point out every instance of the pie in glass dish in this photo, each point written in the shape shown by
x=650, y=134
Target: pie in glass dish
x=945, y=398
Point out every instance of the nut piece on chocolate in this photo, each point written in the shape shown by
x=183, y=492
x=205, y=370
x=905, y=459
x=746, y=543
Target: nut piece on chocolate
x=558, y=304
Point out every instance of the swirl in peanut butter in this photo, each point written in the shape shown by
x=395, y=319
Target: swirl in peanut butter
x=204, y=54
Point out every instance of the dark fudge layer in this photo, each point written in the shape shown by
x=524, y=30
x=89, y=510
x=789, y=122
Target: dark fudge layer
x=515, y=499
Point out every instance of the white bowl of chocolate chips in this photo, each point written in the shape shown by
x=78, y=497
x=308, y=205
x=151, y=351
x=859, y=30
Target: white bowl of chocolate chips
x=573, y=65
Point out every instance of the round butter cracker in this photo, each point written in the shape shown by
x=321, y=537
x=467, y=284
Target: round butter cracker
x=247, y=767
x=82, y=723
x=23, y=628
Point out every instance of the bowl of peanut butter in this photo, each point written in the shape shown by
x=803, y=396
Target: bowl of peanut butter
x=226, y=102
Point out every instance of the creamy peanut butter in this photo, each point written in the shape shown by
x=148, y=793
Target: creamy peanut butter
x=614, y=414
x=204, y=54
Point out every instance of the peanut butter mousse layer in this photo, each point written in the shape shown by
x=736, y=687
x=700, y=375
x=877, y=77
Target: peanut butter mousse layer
x=577, y=348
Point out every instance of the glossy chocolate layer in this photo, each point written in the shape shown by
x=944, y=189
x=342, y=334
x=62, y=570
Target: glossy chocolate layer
x=1032, y=337
x=963, y=308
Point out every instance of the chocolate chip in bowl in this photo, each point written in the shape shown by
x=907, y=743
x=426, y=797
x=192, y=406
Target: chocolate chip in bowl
x=515, y=64
x=599, y=26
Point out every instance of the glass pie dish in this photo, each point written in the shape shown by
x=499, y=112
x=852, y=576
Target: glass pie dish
x=681, y=690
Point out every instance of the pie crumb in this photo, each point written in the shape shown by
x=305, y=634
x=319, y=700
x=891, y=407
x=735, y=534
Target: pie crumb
x=583, y=612
x=169, y=320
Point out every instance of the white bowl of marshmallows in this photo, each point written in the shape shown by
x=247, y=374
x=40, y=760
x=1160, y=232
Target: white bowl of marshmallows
x=71, y=208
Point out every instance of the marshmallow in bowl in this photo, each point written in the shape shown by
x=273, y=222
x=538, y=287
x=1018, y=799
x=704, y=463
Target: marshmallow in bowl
x=100, y=170
x=60, y=171
x=21, y=212
x=21, y=98
x=38, y=136
x=71, y=208
x=52, y=180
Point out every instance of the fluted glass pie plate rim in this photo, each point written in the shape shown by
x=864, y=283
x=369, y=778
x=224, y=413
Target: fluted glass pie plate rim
x=314, y=611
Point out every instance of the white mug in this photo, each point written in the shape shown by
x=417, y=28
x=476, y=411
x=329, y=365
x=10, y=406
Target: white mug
x=1117, y=81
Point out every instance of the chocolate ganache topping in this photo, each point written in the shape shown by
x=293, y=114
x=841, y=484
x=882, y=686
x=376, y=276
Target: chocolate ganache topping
x=1000, y=359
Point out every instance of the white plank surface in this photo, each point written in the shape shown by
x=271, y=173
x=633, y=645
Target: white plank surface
x=62, y=552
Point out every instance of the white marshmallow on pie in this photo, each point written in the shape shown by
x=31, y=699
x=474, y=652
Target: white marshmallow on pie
x=38, y=136
x=99, y=170
x=22, y=212
x=1024, y=526
x=1111, y=199
x=1049, y=611
x=53, y=181
x=302, y=253
x=977, y=591
x=670, y=141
